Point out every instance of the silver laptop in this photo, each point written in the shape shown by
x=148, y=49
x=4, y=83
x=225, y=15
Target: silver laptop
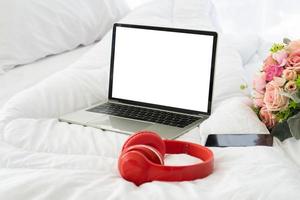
x=161, y=79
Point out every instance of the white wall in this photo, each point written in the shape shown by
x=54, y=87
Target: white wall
x=272, y=19
x=135, y=3
x=266, y=17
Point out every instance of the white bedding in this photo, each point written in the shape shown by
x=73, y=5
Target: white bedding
x=31, y=30
x=42, y=158
x=25, y=76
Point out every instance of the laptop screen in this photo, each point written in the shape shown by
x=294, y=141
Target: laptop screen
x=164, y=67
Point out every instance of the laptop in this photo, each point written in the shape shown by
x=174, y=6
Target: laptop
x=161, y=79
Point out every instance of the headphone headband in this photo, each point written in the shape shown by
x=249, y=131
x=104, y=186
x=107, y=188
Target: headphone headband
x=184, y=172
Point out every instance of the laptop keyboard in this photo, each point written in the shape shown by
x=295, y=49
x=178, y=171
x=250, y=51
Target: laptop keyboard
x=145, y=114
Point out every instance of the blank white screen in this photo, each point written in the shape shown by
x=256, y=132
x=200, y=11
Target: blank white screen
x=161, y=67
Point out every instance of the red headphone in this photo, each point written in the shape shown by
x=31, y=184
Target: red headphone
x=142, y=159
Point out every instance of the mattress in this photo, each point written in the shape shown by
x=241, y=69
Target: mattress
x=26, y=76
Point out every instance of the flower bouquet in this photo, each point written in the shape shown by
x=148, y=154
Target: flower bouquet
x=276, y=94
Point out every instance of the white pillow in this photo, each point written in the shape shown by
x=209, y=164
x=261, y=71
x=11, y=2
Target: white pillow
x=33, y=29
x=246, y=44
x=229, y=73
x=233, y=116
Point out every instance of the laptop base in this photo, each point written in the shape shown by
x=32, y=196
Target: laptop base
x=124, y=125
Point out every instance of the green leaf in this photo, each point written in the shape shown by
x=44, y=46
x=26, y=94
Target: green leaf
x=243, y=86
x=256, y=110
x=298, y=81
x=286, y=41
x=293, y=105
x=283, y=115
x=276, y=47
x=298, y=94
x=294, y=125
x=281, y=131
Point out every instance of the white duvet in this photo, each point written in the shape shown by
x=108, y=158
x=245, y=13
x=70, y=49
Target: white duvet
x=42, y=158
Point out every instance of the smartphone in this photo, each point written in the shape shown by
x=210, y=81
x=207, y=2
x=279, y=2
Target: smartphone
x=239, y=140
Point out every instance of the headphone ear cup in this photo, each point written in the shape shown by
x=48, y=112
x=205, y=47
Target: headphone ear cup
x=146, y=138
x=149, y=152
x=133, y=166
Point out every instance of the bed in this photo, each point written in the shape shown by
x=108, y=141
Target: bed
x=27, y=75
x=42, y=158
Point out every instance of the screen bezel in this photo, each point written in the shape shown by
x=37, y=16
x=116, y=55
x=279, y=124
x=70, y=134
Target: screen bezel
x=193, y=112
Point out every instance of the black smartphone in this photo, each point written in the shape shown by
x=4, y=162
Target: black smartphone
x=239, y=140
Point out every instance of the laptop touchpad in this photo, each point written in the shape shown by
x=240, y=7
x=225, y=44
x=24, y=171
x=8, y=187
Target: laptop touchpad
x=118, y=124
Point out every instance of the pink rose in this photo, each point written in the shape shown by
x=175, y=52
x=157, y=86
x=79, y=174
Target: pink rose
x=267, y=117
x=269, y=61
x=290, y=86
x=293, y=61
x=273, y=98
x=280, y=57
x=289, y=74
x=293, y=46
x=259, y=83
x=279, y=81
x=272, y=71
x=258, y=99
